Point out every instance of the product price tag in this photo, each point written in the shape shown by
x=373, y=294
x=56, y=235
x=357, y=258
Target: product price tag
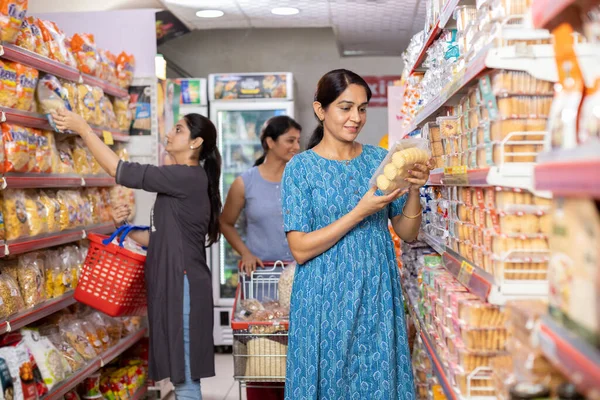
x=108, y=138
x=465, y=273
x=456, y=175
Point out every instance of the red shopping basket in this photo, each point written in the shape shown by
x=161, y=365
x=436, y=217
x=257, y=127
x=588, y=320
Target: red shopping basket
x=112, y=277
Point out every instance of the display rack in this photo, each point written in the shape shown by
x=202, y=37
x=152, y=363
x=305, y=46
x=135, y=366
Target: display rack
x=25, y=245
x=39, y=121
x=435, y=32
x=17, y=54
x=575, y=358
x=40, y=311
x=55, y=181
x=70, y=383
x=481, y=283
x=572, y=172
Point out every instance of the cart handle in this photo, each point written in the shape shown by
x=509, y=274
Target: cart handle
x=271, y=265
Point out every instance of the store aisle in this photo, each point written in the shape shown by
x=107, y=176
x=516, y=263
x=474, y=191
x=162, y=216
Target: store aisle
x=222, y=386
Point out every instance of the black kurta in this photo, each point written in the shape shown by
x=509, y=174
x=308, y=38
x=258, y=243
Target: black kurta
x=179, y=223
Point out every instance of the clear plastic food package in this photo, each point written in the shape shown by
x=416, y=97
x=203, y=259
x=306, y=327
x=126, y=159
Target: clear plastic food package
x=10, y=296
x=395, y=167
x=51, y=96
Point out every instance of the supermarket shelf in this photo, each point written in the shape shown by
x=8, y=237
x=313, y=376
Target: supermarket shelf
x=544, y=11
x=570, y=172
x=99, y=181
x=45, y=64
x=45, y=241
x=434, y=243
x=575, y=358
x=141, y=393
x=43, y=310
x=484, y=285
x=510, y=175
x=445, y=17
x=38, y=181
x=94, y=365
x=107, y=87
x=39, y=121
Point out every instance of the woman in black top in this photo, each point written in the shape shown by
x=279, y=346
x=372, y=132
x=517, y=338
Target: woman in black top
x=184, y=220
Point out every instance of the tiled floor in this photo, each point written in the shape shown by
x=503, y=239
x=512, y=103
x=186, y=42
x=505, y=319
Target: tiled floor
x=222, y=386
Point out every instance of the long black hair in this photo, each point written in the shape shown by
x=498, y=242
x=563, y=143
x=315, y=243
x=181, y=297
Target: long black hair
x=202, y=127
x=329, y=88
x=273, y=128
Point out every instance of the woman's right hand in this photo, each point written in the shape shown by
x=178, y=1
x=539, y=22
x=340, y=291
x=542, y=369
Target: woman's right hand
x=249, y=263
x=371, y=203
x=120, y=214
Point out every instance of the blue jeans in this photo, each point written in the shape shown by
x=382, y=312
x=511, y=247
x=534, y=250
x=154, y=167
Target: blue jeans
x=190, y=390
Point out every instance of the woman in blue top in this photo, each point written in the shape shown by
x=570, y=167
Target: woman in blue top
x=258, y=192
x=347, y=332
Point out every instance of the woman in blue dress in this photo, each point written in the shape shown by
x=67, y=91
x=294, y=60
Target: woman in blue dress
x=347, y=331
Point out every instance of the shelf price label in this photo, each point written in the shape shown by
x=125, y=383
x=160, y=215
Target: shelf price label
x=465, y=273
x=456, y=175
x=108, y=138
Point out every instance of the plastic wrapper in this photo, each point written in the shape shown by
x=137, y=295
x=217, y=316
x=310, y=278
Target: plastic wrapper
x=15, y=214
x=131, y=324
x=84, y=49
x=97, y=337
x=53, y=208
x=286, y=282
x=70, y=91
x=32, y=143
x=56, y=42
x=108, y=63
x=21, y=370
x=73, y=358
x=54, y=275
x=125, y=69
x=12, y=14
x=51, y=364
x=37, y=213
x=107, y=207
x=16, y=148
x=41, y=47
x=43, y=153
x=8, y=84
x=51, y=96
x=66, y=163
x=97, y=322
x=25, y=39
x=71, y=266
x=11, y=301
x=75, y=335
x=69, y=209
x=123, y=113
x=401, y=158
x=27, y=79
x=98, y=95
x=87, y=103
x=109, y=118
x=31, y=279
x=80, y=158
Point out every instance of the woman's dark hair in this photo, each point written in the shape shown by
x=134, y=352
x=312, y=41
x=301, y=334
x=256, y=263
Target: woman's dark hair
x=202, y=127
x=329, y=88
x=273, y=128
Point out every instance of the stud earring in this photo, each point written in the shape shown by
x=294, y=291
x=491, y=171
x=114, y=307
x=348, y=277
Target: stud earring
x=191, y=147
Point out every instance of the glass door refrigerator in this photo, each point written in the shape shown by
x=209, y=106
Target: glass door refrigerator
x=239, y=106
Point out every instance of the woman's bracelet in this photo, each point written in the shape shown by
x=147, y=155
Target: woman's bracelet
x=414, y=216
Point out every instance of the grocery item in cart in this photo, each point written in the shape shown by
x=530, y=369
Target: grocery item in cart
x=27, y=79
x=266, y=358
x=10, y=296
x=12, y=14
x=394, y=169
x=286, y=282
x=51, y=364
x=15, y=214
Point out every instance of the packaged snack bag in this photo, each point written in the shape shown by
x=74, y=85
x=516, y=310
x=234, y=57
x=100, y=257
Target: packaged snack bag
x=87, y=103
x=41, y=47
x=55, y=40
x=37, y=213
x=12, y=14
x=27, y=80
x=8, y=84
x=80, y=158
x=43, y=154
x=51, y=96
x=125, y=69
x=16, y=148
x=84, y=49
x=25, y=38
x=12, y=302
x=31, y=279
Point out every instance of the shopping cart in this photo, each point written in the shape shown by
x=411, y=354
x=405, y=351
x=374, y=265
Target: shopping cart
x=259, y=347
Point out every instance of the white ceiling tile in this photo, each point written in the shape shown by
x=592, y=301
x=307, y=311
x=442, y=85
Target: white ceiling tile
x=371, y=26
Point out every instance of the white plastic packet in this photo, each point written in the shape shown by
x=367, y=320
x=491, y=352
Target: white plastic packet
x=401, y=158
x=286, y=282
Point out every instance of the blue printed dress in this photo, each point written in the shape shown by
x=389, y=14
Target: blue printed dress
x=347, y=330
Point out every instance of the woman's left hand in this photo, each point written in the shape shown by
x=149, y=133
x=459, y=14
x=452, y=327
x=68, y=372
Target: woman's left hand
x=419, y=175
x=69, y=121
